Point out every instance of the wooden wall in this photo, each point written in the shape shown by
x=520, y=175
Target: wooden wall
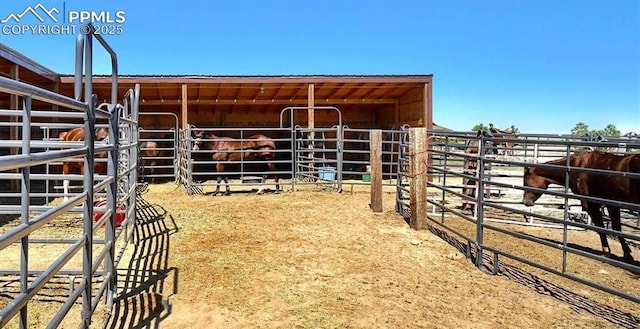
x=355, y=116
x=412, y=108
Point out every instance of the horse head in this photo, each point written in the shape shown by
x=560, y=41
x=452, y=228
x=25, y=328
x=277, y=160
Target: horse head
x=197, y=136
x=101, y=134
x=531, y=179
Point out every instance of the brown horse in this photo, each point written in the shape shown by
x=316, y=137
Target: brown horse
x=155, y=154
x=502, y=147
x=472, y=153
x=620, y=188
x=68, y=167
x=227, y=150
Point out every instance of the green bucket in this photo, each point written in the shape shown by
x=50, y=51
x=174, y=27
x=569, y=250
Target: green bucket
x=366, y=177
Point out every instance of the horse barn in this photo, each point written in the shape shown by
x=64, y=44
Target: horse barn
x=95, y=241
x=256, y=101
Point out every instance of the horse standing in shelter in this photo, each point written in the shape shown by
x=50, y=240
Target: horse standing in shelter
x=227, y=150
x=619, y=188
x=155, y=153
x=69, y=167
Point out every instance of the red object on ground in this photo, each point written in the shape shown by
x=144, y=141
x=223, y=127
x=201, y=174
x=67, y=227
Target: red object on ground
x=119, y=214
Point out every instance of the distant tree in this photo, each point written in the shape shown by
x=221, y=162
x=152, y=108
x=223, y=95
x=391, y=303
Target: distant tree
x=580, y=129
x=611, y=130
x=479, y=127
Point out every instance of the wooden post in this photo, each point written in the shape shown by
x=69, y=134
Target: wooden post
x=311, y=122
x=418, y=173
x=428, y=115
x=427, y=106
x=375, y=140
x=184, y=108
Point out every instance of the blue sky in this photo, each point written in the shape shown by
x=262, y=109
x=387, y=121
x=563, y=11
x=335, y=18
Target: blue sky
x=541, y=65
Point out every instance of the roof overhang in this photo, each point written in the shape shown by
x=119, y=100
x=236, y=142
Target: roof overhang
x=166, y=91
x=29, y=70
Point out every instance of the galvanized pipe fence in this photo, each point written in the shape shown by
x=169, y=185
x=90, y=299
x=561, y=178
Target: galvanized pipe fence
x=475, y=193
x=159, y=149
x=332, y=156
x=103, y=206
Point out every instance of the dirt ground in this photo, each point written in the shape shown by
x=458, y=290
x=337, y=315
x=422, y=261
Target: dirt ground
x=319, y=259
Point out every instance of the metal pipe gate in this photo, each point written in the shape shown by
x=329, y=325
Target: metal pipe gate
x=159, y=150
x=100, y=256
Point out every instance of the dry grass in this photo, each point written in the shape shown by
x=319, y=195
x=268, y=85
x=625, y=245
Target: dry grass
x=316, y=259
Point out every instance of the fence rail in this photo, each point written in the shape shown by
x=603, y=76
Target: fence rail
x=28, y=165
x=476, y=194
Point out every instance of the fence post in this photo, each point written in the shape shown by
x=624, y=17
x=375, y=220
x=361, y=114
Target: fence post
x=375, y=140
x=112, y=198
x=418, y=175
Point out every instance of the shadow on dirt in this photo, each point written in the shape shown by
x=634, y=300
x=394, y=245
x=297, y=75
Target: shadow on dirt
x=577, y=302
x=146, y=282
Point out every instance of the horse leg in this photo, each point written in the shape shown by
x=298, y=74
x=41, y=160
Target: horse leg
x=593, y=209
x=226, y=185
x=277, y=180
x=151, y=170
x=614, y=214
x=65, y=183
x=271, y=167
x=261, y=189
x=218, y=180
x=219, y=169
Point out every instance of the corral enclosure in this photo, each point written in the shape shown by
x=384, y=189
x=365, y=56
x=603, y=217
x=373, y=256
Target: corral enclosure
x=494, y=232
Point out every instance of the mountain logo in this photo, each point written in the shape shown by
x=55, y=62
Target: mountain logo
x=39, y=10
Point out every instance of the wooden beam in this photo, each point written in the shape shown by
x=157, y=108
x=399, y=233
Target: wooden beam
x=20, y=60
x=218, y=91
x=184, y=107
x=418, y=174
x=334, y=90
x=352, y=89
x=393, y=89
x=371, y=90
x=235, y=98
x=428, y=118
x=159, y=91
x=375, y=140
x=283, y=101
x=428, y=106
x=310, y=103
x=278, y=91
x=259, y=92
